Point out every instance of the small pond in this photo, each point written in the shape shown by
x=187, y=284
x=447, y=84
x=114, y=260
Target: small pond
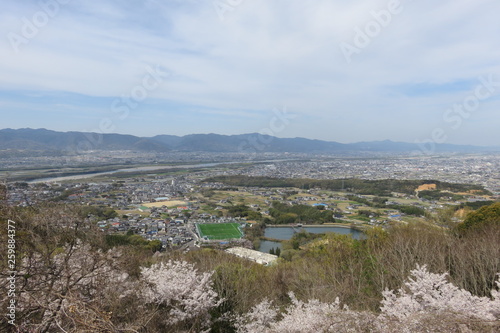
x=285, y=233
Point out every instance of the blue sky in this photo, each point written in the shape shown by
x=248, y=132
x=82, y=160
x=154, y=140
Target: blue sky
x=347, y=71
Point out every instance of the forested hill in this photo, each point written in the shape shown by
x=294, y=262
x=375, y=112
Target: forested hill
x=52, y=141
x=382, y=187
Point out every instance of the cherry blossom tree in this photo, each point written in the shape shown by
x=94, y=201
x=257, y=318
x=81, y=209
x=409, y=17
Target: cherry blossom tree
x=50, y=286
x=178, y=288
x=429, y=298
x=430, y=292
x=260, y=317
x=310, y=316
x=426, y=303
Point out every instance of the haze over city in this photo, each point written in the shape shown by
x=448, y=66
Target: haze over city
x=342, y=71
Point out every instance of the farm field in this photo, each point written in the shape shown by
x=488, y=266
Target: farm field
x=168, y=203
x=215, y=231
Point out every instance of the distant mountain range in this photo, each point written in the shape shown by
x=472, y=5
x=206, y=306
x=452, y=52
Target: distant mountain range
x=52, y=141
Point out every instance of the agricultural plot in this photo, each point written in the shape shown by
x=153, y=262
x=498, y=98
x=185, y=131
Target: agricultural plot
x=216, y=231
x=168, y=203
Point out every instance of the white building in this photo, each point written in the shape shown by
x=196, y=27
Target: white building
x=257, y=256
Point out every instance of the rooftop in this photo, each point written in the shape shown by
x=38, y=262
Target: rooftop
x=257, y=256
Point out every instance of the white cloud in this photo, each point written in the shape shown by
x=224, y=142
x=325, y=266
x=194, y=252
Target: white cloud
x=263, y=55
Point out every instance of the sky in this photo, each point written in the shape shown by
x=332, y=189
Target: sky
x=347, y=71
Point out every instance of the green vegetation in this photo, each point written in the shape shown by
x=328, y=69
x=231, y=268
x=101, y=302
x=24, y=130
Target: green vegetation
x=102, y=213
x=133, y=240
x=275, y=251
x=437, y=195
x=360, y=200
x=476, y=204
x=485, y=217
x=64, y=195
x=285, y=214
x=300, y=239
x=383, y=187
x=244, y=211
x=253, y=232
x=382, y=203
x=220, y=231
x=408, y=210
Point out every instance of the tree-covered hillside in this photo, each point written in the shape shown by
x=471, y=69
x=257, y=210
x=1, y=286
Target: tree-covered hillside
x=361, y=186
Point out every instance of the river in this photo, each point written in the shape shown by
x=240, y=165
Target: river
x=142, y=168
x=136, y=169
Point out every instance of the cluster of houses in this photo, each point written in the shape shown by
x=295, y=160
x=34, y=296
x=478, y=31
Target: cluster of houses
x=174, y=226
x=452, y=168
x=171, y=232
x=124, y=194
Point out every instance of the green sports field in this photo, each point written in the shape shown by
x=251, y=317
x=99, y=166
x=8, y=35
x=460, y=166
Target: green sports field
x=219, y=230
